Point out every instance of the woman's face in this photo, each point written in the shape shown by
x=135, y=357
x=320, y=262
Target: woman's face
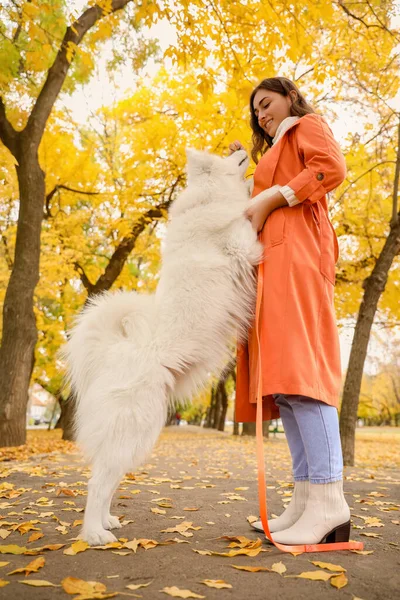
x=271, y=108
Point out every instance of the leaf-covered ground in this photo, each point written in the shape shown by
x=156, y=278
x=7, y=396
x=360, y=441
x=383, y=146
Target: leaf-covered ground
x=185, y=523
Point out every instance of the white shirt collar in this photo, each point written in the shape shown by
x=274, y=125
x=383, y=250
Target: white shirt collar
x=283, y=127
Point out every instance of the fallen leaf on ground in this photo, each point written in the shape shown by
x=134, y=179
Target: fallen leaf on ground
x=219, y=584
x=250, y=569
x=32, y=567
x=329, y=566
x=39, y=583
x=177, y=593
x=241, y=551
x=314, y=575
x=278, y=568
x=339, y=581
x=35, y=536
x=136, y=586
x=12, y=549
x=76, y=547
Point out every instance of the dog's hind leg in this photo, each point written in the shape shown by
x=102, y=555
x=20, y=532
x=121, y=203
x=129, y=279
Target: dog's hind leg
x=109, y=521
x=101, y=487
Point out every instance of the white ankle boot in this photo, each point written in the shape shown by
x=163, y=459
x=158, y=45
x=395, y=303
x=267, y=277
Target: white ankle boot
x=292, y=513
x=326, y=517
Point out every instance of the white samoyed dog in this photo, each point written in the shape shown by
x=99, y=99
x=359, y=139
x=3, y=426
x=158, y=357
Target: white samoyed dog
x=130, y=355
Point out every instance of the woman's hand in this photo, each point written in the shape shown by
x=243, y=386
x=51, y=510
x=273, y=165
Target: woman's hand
x=236, y=145
x=262, y=205
x=258, y=213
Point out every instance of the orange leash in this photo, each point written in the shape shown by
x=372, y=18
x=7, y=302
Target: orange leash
x=262, y=487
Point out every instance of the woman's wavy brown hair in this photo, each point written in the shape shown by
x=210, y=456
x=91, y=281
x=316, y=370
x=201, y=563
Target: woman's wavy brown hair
x=299, y=107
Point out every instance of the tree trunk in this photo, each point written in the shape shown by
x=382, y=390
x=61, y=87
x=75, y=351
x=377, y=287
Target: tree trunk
x=66, y=420
x=223, y=404
x=250, y=429
x=217, y=407
x=19, y=324
x=210, y=410
x=373, y=286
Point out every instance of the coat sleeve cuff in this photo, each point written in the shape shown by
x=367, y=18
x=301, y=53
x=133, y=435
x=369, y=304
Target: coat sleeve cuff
x=289, y=195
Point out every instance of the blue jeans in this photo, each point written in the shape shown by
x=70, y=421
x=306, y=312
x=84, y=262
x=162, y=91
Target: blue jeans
x=312, y=432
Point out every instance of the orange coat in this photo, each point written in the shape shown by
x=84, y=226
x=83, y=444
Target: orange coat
x=299, y=339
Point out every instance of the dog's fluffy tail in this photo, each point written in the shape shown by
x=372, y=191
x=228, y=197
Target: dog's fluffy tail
x=113, y=367
x=106, y=321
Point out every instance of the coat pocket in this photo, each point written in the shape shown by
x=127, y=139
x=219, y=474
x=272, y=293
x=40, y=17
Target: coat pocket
x=276, y=227
x=329, y=249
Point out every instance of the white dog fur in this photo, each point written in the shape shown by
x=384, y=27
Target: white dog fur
x=130, y=355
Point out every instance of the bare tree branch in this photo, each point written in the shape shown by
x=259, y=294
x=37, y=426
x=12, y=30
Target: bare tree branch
x=125, y=247
x=47, y=215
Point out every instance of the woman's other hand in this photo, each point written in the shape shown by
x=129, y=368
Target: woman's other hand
x=234, y=146
x=257, y=214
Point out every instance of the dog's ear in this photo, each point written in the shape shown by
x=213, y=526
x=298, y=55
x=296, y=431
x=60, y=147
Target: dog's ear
x=199, y=162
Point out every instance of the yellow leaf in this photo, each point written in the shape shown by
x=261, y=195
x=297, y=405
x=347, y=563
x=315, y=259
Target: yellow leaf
x=65, y=492
x=12, y=549
x=133, y=586
x=132, y=545
x=3, y=583
x=177, y=593
x=241, y=551
x=158, y=511
x=39, y=583
x=71, y=49
x=329, y=566
x=46, y=547
x=76, y=547
x=77, y=522
x=4, y=563
x=219, y=584
x=314, y=575
x=250, y=569
x=32, y=567
x=278, y=568
x=72, y=585
x=35, y=536
x=339, y=581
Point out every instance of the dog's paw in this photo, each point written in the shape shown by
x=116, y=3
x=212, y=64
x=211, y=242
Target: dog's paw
x=111, y=522
x=97, y=537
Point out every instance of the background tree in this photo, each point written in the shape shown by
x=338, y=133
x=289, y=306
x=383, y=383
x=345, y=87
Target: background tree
x=34, y=36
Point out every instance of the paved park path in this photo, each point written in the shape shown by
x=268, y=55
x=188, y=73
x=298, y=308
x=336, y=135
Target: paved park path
x=204, y=484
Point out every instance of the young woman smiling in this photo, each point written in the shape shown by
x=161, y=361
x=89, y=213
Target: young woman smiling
x=299, y=344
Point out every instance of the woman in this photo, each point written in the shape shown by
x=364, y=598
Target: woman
x=300, y=359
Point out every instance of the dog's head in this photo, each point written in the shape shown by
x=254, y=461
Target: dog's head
x=211, y=179
x=202, y=165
